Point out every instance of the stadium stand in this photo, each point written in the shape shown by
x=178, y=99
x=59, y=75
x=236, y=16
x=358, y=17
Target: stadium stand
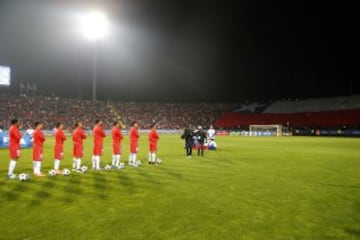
x=172, y=115
x=315, y=105
x=319, y=113
x=50, y=110
x=307, y=119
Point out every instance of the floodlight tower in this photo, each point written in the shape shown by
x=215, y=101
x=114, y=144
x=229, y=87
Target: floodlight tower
x=95, y=26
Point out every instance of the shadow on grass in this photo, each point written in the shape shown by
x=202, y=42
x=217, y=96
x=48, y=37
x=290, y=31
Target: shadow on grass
x=170, y=172
x=34, y=202
x=100, y=185
x=14, y=193
x=44, y=192
x=11, y=195
x=220, y=159
x=72, y=187
x=352, y=231
x=39, y=196
x=127, y=182
x=149, y=178
x=49, y=184
x=21, y=187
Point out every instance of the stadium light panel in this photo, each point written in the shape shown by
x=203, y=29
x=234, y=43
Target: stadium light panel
x=95, y=25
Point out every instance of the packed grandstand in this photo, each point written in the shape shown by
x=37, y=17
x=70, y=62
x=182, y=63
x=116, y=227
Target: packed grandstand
x=323, y=113
x=50, y=110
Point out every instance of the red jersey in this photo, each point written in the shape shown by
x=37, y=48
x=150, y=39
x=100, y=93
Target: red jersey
x=99, y=135
x=78, y=135
x=134, y=135
x=14, y=142
x=14, y=137
x=153, y=136
x=60, y=137
x=38, y=138
x=38, y=141
x=116, y=135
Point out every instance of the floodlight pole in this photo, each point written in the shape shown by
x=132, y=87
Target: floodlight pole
x=94, y=69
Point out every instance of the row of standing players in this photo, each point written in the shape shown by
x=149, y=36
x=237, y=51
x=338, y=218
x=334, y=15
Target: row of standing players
x=78, y=136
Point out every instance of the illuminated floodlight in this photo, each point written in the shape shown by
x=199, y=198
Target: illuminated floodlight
x=95, y=25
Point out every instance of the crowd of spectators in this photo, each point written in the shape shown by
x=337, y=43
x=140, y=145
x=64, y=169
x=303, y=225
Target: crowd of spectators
x=50, y=110
x=167, y=115
x=171, y=115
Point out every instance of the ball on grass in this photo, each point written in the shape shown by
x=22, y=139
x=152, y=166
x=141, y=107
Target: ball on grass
x=24, y=177
x=66, y=172
x=84, y=168
x=52, y=173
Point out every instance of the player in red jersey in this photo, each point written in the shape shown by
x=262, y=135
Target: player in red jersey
x=14, y=147
x=117, y=137
x=134, y=137
x=78, y=136
x=60, y=137
x=153, y=138
x=38, y=142
x=99, y=136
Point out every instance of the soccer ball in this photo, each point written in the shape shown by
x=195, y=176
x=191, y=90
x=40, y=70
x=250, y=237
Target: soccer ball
x=84, y=168
x=107, y=167
x=66, y=172
x=138, y=162
x=52, y=173
x=23, y=177
x=159, y=161
x=121, y=165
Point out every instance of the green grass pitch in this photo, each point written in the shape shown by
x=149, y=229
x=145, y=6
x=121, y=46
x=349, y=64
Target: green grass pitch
x=250, y=188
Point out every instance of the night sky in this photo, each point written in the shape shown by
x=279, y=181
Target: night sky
x=162, y=50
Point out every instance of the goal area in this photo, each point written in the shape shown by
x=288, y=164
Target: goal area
x=274, y=130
